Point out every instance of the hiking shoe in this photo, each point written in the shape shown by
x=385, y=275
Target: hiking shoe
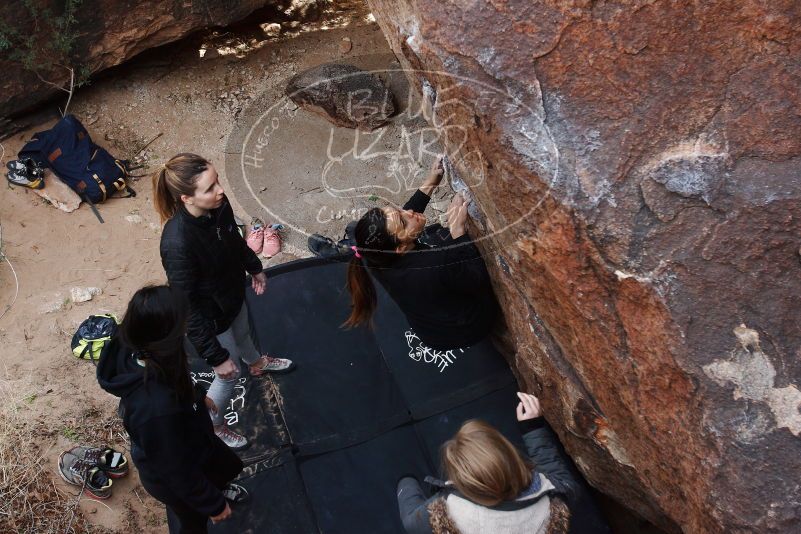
x=235, y=493
x=255, y=239
x=20, y=179
x=26, y=167
x=268, y=364
x=272, y=241
x=325, y=247
x=79, y=472
x=235, y=442
x=112, y=462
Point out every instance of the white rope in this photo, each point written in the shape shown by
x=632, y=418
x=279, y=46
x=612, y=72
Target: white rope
x=13, y=271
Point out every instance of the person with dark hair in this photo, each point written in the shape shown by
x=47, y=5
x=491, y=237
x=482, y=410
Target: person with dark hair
x=181, y=462
x=204, y=256
x=492, y=487
x=436, y=275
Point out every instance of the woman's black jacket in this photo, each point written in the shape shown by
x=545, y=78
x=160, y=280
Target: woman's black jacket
x=206, y=258
x=173, y=441
x=442, y=286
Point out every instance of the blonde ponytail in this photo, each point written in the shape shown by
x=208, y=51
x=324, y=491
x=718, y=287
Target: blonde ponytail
x=175, y=178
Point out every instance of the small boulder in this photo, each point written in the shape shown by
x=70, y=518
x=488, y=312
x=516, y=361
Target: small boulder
x=345, y=45
x=303, y=10
x=272, y=29
x=345, y=95
x=84, y=294
x=58, y=194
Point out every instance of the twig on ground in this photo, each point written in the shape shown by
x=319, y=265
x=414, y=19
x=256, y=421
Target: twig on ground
x=146, y=145
x=69, y=91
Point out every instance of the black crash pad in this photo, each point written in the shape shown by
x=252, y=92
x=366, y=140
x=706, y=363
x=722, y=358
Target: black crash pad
x=363, y=408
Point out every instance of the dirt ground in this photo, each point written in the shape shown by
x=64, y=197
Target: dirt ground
x=200, y=104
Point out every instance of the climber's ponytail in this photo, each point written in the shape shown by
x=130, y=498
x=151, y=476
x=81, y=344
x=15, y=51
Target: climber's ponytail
x=362, y=294
x=376, y=246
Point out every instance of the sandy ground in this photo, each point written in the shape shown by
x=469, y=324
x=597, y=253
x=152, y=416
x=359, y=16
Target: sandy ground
x=200, y=104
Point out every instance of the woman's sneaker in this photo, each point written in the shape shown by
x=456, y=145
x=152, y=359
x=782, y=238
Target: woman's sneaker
x=255, y=239
x=79, y=472
x=235, y=493
x=272, y=241
x=268, y=364
x=235, y=442
x=113, y=463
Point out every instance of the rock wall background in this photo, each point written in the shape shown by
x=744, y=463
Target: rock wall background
x=653, y=293
x=104, y=33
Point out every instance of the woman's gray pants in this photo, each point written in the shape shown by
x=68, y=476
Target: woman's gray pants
x=238, y=342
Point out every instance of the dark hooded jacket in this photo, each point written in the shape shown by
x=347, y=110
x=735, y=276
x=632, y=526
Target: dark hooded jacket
x=172, y=441
x=206, y=258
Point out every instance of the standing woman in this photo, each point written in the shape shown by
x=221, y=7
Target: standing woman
x=204, y=256
x=180, y=460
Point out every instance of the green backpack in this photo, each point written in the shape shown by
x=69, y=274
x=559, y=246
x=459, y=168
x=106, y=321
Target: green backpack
x=92, y=336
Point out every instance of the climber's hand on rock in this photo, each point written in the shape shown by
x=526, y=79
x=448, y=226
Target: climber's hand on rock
x=528, y=407
x=457, y=216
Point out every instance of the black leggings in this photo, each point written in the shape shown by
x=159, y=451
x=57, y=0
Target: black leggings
x=224, y=466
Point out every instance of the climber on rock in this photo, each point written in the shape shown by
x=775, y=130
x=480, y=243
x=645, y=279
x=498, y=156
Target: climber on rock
x=436, y=275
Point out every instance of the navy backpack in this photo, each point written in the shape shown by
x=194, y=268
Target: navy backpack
x=88, y=169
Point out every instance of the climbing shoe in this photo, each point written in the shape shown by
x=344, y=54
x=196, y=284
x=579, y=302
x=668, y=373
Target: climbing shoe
x=113, y=463
x=236, y=442
x=272, y=240
x=269, y=364
x=325, y=247
x=79, y=472
x=26, y=173
x=235, y=493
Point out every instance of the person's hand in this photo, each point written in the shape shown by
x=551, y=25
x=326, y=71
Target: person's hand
x=259, y=283
x=436, y=172
x=528, y=407
x=433, y=178
x=226, y=370
x=210, y=406
x=222, y=516
x=457, y=216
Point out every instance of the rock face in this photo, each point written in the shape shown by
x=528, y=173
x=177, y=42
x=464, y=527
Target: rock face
x=640, y=168
x=103, y=34
x=345, y=95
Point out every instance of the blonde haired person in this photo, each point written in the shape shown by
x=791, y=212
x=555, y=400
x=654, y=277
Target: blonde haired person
x=204, y=256
x=492, y=487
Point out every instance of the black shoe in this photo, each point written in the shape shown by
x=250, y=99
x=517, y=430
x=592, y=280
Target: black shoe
x=325, y=247
x=24, y=181
x=236, y=494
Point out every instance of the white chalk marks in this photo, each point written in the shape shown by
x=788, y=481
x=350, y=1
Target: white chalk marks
x=420, y=352
x=753, y=376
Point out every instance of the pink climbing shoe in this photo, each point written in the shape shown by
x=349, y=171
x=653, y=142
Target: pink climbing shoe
x=272, y=241
x=255, y=239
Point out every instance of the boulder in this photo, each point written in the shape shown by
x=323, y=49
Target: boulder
x=58, y=194
x=640, y=168
x=343, y=94
x=101, y=35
